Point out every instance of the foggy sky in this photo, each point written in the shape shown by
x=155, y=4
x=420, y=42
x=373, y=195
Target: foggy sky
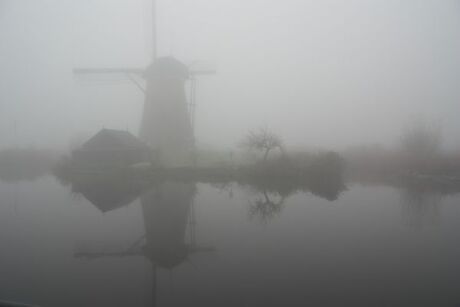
x=324, y=74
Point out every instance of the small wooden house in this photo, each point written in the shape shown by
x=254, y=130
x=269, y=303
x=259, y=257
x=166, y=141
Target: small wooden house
x=111, y=149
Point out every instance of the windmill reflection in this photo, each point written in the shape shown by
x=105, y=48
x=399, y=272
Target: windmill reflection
x=168, y=209
x=169, y=221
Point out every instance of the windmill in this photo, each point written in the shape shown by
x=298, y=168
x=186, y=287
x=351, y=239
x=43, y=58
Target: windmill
x=167, y=123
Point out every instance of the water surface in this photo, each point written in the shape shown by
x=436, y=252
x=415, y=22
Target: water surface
x=187, y=244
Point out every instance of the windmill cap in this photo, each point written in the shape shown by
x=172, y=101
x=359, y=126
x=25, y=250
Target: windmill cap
x=167, y=68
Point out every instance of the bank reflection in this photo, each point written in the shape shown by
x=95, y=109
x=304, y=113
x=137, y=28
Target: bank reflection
x=168, y=216
x=421, y=207
x=422, y=204
x=421, y=197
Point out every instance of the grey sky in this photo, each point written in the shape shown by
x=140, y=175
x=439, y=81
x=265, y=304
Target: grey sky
x=320, y=73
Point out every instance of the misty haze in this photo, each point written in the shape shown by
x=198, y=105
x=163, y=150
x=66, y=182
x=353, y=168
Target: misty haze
x=229, y=153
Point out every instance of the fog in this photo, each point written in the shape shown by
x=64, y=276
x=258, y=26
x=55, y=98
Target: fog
x=251, y=153
x=322, y=74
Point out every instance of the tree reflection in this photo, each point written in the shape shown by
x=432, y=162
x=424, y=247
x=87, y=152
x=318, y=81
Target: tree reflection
x=265, y=208
x=271, y=193
x=422, y=197
x=420, y=205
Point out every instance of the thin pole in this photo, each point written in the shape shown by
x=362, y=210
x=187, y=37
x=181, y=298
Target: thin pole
x=154, y=284
x=192, y=102
x=192, y=115
x=154, y=30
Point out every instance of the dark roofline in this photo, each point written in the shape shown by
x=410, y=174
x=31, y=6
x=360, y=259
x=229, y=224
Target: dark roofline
x=121, y=137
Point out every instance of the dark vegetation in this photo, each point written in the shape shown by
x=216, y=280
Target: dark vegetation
x=417, y=164
x=320, y=174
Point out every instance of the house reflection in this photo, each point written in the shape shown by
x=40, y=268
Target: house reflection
x=108, y=194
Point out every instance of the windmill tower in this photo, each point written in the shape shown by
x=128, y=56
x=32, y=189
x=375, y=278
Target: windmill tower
x=167, y=119
x=166, y=125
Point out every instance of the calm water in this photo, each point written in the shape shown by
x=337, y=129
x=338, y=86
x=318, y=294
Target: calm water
x=202, y=245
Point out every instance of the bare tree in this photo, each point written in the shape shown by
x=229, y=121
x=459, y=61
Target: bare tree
x=421, y=140
x=262, y=140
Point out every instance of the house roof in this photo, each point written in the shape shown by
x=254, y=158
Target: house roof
x=109, y=139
